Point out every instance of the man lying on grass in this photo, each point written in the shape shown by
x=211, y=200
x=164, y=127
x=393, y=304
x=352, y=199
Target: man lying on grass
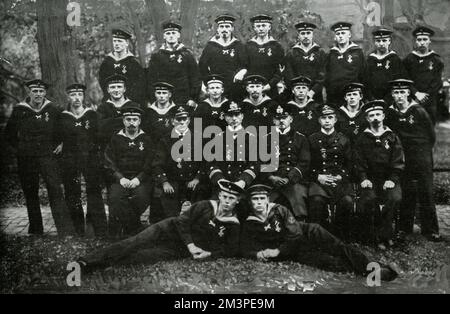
x=271, y=232
x=206, y=229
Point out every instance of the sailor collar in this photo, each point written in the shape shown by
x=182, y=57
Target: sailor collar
x=215, y=206
x=27, y=105
x=423, y=56
x=268, y=40
x=122, y=133
x=385, y=130
x=208, y=101
x=214, y=40
x=378, y=57
x=306, y=51
x=352, y=45
x=68, y=112
x=161, y=111
x=265, y=98
x=112, y=55
x=263, y=218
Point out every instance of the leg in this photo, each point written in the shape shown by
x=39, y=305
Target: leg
x=335, y=247
x=428, y=217
x=171, y=203
x=296, y=194
x=155, y=254
x=318, y=210
x=366, y=211
x=95, y=208
x=61, y=215
x=118, y=204
x=148, y=238
x=156, y=207
x=344, y=208
x=391, y=205
x=408, y=204
x=29, y=180
x=139, y=199
x=71, y=176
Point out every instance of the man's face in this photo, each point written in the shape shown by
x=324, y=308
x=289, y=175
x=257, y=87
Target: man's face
x=131, y=123
x=283, y=123
x=328, y=121
x=353, y=98
x=172, y=37
x=234, y=119
x=400, y=96
x=262, y=29
x=225, y=30
x=181, y=124
x=120, y=45
x=254, y=90
x=300, y=91
x=76, y=99
x=382, y=44
x=215, y=90
x=423, y=43
x=37, y=95
x=116, y=90
x=162, y=96
x=342, y=37
x=375, y=117
x=305, y=37
x=228, y=201
x=259, y=203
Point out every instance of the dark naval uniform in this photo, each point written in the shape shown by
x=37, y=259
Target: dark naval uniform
x=109, y=122
x=210, y=115
x=80, y=155
x=342, y=68
x=266, y=60
x=351, y=126
x=156, y=121
x=331, y=154
x=128, y=158
x=32, y=133
x=426, y=72
x=417, y=135
x=306, y=119
x=167, y=239
x=309, y=63
x=225, y=61
x=380, y=71
x=235, y=163
x=297, y=241
x=178, y=172
x=128, y=67
x=258, y=115
x=293, y=163
x=177, y=67
x=379, y=158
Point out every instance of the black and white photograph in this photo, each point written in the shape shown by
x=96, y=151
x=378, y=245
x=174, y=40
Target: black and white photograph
x=224, y=152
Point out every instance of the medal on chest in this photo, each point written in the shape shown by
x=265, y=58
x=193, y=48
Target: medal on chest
x=86, y=125
x=131, y=144
x=221, y=232
x=229, y=52
x=264, y=113
x=179, y=163
x=356, y=130
x=386, y=144
x=350, y=59
x=430, y=66
x=388, y=65
x=310, y=115
x=77, y=124
x=411, y=119
x=323, y=152
x=141, y=146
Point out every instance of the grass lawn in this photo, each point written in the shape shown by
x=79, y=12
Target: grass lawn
x=39, y=265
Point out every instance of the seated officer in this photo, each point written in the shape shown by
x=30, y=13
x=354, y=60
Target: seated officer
x=128, y=159
x=331, y=163
x=181, y=178
x=379, y=162
x=271, y=233
x=206, y=229
x=290, y=179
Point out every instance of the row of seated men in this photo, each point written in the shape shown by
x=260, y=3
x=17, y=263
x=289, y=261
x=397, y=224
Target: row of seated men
x=314, y=176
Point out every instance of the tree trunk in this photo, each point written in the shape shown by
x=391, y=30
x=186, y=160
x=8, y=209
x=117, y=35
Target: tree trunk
x=189, y=9
x=56, y=48
x=157, y=9
x=140, y=40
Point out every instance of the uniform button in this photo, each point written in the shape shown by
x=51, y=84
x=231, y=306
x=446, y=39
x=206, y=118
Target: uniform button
x=335, y=156
x=323, y=163
x=289, y=155
x=229, y=172
x=288, y=169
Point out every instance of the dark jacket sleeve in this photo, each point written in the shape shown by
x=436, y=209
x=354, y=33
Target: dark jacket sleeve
x=231, y=247
x=397, y=160
x=110, y=162
x=301, y=170
x=184, y=222
x=279, y=52
x=204, y=61
x=149, y=157
x=320, y=79
x=159, y=162
x=294, y=232
x=361, y=165
x=12, y=129
x=195, y=82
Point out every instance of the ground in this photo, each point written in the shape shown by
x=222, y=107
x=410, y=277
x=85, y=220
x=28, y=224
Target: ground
x=39, y=264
